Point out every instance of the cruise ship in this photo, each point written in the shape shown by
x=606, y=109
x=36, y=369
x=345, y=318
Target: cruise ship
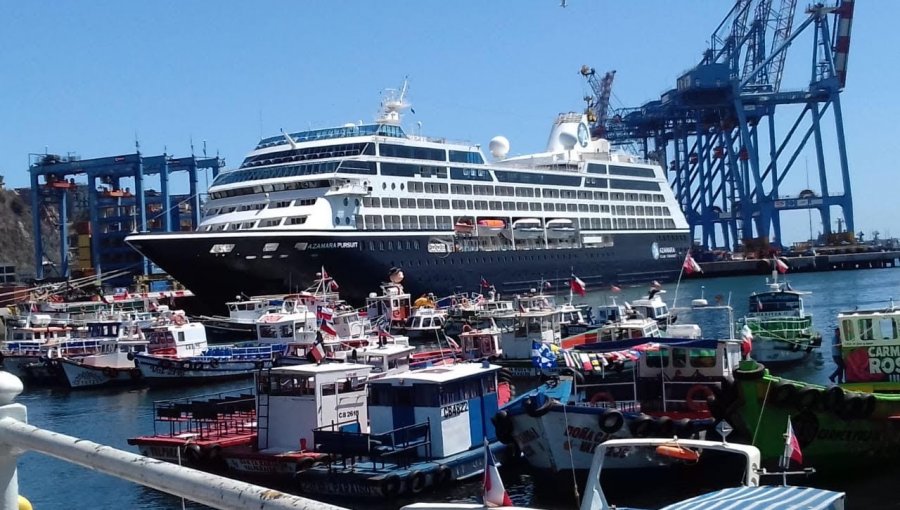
x=360, y=199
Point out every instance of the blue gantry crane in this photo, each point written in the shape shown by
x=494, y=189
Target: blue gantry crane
x=114, y=211
x=727, y=158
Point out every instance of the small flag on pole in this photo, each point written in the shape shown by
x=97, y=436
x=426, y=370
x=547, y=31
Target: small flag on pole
x=690, y=265
x=577, y=285
x=780, y=265
x=791, y=446
x=484, y=283
x=494, y=493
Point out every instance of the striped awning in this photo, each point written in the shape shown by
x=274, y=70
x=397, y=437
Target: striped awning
x=766, y=497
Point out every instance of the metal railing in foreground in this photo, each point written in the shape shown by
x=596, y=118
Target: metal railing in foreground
x=17, y=436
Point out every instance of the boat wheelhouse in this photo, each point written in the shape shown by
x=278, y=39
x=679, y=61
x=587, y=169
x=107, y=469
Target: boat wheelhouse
x=782, y=330
x=371, y=196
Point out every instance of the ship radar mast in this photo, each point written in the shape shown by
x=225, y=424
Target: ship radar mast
x=393, y=102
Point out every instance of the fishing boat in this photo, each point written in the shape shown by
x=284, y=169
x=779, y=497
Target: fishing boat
x=851, y=424
x=693, y=478
x=782, y=330
x=240, y=323
x=172, y=343
x=426, y=429
x=634, y=388
x=27, y=342
x=291, y=403
x=426, y=324
x=193, y=431
x=112, y=365
x=653, y=307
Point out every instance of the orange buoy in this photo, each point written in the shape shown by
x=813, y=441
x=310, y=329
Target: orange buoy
x=677, y=452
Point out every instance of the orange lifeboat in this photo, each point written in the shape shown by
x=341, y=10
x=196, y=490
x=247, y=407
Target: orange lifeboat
x=675, y=451
x=492, y=223
x=464, y=226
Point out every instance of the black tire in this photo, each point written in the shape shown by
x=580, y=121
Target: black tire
x=833, y=400
x=784, y=393
x=871, y=403
x=304, y=464
x=683, y=428
x=611, y=421
x=665, y=427
x=642, y=426
x=443, y=476
x=417, y=482
x=130, y=356
x=191, y=453
x=503, y=427
x=808, y=398
x=390, y=486
x=854, y=406
x=536, y=411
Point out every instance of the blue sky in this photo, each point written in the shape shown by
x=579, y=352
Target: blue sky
x=87, y=77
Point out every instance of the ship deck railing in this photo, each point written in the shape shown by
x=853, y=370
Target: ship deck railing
x=346, y=442
x=207, y=489
x=205, y=416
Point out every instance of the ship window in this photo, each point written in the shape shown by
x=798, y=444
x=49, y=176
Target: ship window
x=641, y=223
x=408, y=203
x=296, y=220
x=360, y=222
x=658, y=359
x=585, y=222
x=607, y=223
x=586, y=195
x=392, y=222
x=424, y=203
x=221, y=248
x=411, y=222
x=509, y=206
x=534, y=206
x=442, y=204
x=560, y=207
x=495, y=205
x=521, y=206
x=594, y=208
x=583, y=207
x=571, y=207
x=631, y=171
x=444, y=223
x=470, y=204
x=548, y=206
x=480, y=204
x=466, y=157
x=670, y=223
x=595, y=223
x=390, y=203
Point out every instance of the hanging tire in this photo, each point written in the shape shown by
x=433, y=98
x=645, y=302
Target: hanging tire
x=536, y=410
x=390, y=486
x=854, y=406
x=833, y=400
x=642, y=426
x=611, y=421
x=304, y=464
x=750, y=375
x=665, y=427
x=871, y=404
x=130, y=356
x=503, y=426
x=808, y=398
x=191, y=453
x=443, y=476
x=416, y=482
x=784, y=393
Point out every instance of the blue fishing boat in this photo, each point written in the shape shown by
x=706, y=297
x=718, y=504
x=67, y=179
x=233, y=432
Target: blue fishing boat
x=427, y=428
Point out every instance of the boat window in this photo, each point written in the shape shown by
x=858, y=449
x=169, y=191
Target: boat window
x=866, y=329
x=377, y=362
x=287, y=331
x=328, y=389
x=489, y=384
x=703, y=358
x=888, y=328
x=268, y=332
x=679, y=358
x=658, y=359
x=426, y=395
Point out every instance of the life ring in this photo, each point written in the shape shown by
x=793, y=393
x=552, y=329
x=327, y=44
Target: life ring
x=679, y=452
x=109, y=372
x=536, y=411
x=395, y=314
x=611, y=421
x=603, y=396
x=503, y=426
x=697, y=396
x=390, y=486
x=417, y=482
x=214, y=363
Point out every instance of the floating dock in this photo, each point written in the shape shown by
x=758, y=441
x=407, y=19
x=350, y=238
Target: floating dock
x=805, y=264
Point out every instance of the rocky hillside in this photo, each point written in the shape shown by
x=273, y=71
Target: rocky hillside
x=16, y=240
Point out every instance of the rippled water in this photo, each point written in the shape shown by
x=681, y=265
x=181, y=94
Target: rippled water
x=112, y=416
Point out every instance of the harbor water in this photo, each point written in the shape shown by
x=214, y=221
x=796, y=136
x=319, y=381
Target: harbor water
x=112, y=416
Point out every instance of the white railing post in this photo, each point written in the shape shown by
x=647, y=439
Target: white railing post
x=10, y=387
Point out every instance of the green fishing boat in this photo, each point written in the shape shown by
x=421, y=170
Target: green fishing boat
x=856, y=422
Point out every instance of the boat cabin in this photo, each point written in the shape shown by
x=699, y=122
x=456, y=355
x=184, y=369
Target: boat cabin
x=668, y=374
x=297, y=327
x=453, y=402
x=384, y=359
x=653, y=307
x=870, y=346
x=779, y=303
x=393, y=304
x=536, y=325
x=292, y=401
x=247, y=311
x=610, y=313
x=348, y=324
x=425, y=320
x=176, y=339
x=480, y=343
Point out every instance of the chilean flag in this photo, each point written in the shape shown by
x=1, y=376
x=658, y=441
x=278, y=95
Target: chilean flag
x=494, y=493
x=791, y=446
x=780, y=265
x=577, y=285
x=690, y=265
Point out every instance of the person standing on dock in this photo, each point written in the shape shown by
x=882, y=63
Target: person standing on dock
x=838, y=375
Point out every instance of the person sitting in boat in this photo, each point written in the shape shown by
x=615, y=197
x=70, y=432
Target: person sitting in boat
x=838, y=375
